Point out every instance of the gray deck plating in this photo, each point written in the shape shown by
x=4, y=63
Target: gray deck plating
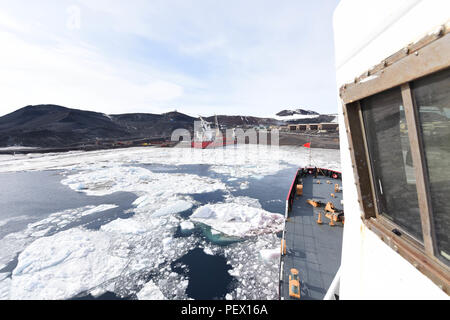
x=313, y=249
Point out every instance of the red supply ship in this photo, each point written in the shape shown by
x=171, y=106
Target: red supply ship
x=206, y=137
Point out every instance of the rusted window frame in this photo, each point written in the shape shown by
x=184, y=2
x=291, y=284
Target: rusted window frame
x=429, y=55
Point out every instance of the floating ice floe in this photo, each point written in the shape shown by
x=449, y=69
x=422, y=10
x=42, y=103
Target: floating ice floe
x=78, y=187
x=208, y=251
x=215, y=232
x=100, y=208
x=187, y=225
x=238, y=220
x=167, y=241
x=113, y=258
x=150, y=291
x=155, y=186
x=60, y=266
x=176, y=207
x=245, y=201
x=244, y=185
x=270, y=254
x=121, y=226
x=13, y=243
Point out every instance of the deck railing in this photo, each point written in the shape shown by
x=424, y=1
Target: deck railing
x=291, y=194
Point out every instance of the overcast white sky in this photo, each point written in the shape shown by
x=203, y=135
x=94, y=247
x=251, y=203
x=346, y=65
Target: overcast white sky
x=252, y=57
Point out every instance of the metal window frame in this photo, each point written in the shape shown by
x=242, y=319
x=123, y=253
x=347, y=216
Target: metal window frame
x=427, y=56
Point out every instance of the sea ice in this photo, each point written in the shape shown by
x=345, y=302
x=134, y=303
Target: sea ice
x=245, y=201
x=141, y=181
x=176, y=207
x=124, y=226
x=240, y=162
x=270, y=254
x=187, y=225
x=214, y=232
x=5, y=285
x=122, y=255
x=257, y=279
x=150, y=291
x=238, y=220
x=60, y=266
x=244, y=185
x=13, y=243
x=208, y=251
x=166, y=241
x=113, y=258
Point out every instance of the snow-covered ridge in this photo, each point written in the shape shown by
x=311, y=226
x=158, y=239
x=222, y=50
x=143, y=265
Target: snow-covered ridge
x=296, y=112
x=296, y=117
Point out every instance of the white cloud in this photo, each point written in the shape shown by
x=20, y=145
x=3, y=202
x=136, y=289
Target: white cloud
x=164, y=91
x=206, y=57
x=7, y=22
x=74, y=76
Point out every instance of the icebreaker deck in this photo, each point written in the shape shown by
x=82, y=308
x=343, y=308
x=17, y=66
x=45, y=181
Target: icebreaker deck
x=311, y=248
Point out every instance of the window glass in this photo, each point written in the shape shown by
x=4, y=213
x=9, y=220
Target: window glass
x=390, y=155
x=432, y=98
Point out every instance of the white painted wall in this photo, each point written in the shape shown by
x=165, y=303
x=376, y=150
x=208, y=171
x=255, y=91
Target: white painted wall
x=367, y=32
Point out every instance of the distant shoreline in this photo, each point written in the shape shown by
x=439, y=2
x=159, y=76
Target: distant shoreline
x=319, y=141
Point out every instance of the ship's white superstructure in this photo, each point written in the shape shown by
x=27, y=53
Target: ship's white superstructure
x=206, y=137
x=366, y=33
x=205, y=133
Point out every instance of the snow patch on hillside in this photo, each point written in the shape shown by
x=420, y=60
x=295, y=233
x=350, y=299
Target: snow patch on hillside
x=296, y=117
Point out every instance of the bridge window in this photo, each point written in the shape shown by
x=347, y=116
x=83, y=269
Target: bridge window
x=397, y=117
x=432, y=98
x=390, y=156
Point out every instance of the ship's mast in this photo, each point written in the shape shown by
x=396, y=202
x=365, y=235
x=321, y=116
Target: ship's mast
x=310, y=160
x=217, y=126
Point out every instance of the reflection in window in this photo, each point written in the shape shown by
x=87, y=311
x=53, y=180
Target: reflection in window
x=390, y=155
x=432, y=97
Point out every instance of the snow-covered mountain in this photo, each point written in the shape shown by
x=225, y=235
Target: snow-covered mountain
x=304, y=116
x=286, y=113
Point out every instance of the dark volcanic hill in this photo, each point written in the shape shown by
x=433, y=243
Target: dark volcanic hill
x=56, y=126
x=52, y=126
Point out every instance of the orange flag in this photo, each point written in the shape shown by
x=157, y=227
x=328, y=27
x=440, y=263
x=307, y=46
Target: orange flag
x=307, y=145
